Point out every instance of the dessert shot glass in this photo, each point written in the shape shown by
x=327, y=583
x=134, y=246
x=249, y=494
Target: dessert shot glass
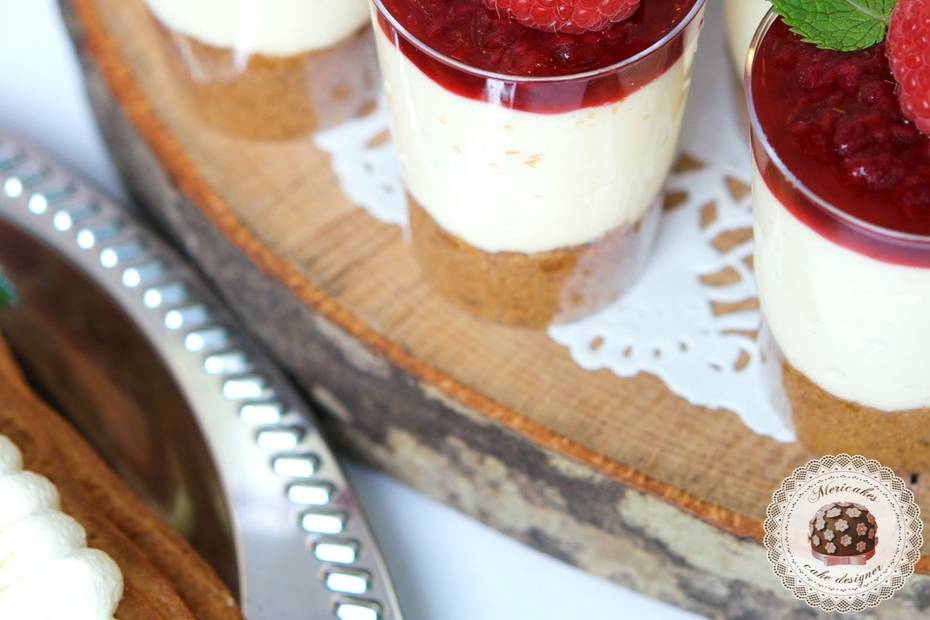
x=742, y=19
x=844, y=301
x=534, y=200
x=270, y=69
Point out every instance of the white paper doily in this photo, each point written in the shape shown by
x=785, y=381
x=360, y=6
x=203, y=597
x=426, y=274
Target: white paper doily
x=667, y=325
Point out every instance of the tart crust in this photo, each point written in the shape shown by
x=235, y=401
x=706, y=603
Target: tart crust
x=164, y=577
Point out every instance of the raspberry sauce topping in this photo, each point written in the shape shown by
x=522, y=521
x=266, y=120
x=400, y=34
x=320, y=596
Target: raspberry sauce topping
x=834, y=120
x=488, y=40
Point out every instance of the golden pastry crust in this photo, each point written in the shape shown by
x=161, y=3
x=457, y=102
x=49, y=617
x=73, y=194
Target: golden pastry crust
x=164, y=577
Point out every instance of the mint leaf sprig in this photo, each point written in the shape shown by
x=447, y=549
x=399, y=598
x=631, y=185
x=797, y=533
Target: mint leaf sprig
x=840, y=25
x=7, y=292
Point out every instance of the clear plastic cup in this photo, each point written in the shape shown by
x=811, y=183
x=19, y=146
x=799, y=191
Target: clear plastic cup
x=270, y=69
x=534, y=200
x=845, y=307
x=742, y=19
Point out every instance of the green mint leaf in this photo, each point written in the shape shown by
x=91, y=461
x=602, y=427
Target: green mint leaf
x=841, y=25
x=7, y=292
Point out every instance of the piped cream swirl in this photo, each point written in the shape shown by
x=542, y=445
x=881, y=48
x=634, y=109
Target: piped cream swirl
x=46, y=570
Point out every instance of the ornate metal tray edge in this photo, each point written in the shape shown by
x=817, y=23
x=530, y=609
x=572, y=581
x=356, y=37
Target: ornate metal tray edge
x=303, y=546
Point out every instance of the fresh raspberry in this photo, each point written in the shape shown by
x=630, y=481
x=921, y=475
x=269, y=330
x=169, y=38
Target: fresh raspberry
x=908, y=45
x=569, y=16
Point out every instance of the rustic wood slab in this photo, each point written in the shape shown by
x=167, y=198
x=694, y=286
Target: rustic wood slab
x=619, y=477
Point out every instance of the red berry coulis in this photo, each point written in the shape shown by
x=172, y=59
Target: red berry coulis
x=835, y=122
x=472, y=34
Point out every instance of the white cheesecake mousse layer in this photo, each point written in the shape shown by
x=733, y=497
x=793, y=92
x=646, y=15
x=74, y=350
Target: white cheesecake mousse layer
x=46, y=569
x=742, y=20
x=268, y=27
x=855, y=326
x=509, y=180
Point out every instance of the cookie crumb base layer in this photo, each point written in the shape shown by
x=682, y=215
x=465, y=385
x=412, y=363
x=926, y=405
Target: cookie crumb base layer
x=268, y=97
x=532, y=290
x=826, y=424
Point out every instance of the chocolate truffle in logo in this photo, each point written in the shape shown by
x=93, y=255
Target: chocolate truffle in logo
x=843, y=533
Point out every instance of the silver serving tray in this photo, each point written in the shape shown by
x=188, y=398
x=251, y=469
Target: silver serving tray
x=120, y=335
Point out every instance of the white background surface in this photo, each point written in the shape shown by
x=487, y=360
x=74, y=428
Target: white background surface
x=445, y=566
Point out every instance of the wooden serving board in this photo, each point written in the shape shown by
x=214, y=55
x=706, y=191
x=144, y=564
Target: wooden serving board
x=617, y=476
